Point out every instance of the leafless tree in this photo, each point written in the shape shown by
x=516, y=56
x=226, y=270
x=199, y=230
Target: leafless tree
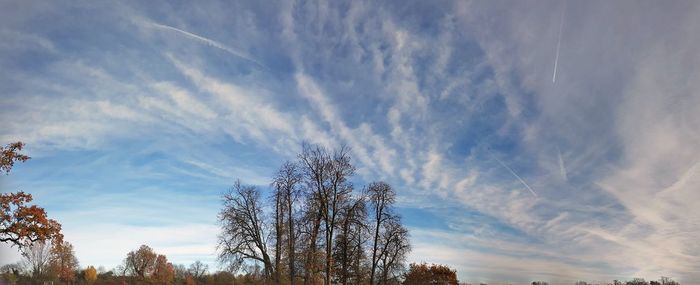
x=314, y=162
x=381, y=198
x=349, y=249
x=197, y=270
x=394, y=246
x=327, y=178
x=36, y=258
x=287, y=190
x=244, y=234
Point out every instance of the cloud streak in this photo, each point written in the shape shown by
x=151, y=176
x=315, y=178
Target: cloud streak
x=206, y=41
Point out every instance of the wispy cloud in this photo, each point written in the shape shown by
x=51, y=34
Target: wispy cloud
x=418, y=93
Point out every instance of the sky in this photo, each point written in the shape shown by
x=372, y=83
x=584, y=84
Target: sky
x=138, y=115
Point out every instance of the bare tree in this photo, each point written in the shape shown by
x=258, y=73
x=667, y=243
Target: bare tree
x=37, y=258
x=197, y=270
x=327, y=176
x=394, y=247
x=349, y=250
x=313, y=161
x=381, y=198
x=243, y=235
x=286, y=183
x=336, y=197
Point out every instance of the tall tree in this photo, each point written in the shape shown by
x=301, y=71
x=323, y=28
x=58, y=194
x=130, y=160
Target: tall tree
x=327, y=176
x=381, y=198
x=22, y=224
x=244, y=235
x=393, y=249
x=286, y=184
x=348, y=253
x=314, y=162
x=63, y=262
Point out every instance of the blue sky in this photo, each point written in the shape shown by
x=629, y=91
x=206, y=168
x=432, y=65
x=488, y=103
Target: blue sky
x=139, y=114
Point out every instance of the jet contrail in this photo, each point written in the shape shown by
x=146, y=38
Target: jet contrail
x=556, y=58
x=514, y=174
x=562, y=168
x=208, y=42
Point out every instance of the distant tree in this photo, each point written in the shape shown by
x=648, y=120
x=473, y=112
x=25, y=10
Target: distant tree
x=198, y=270
x=90, y=274
x=63, y=262
x=667, y=281
x=163, y=271
x=141, y=262
x=244, y=232
x=21, y=224
x=637, y=281
x=181, y=273
x=419, y=274
x=37, y=259
x=540, y=283
x=10, y=273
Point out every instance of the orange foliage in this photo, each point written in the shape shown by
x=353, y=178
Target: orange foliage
x=23, y=225
x=20, y=224
x=164, y=272
x=90, y=274
x=9, y=154
x=141, y=262
x=423, y=273
x=63, y=261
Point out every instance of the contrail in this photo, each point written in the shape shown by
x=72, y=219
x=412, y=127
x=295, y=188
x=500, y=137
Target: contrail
x=556, y=58
x=207, y=41
x=562, y=168
x=514, y=174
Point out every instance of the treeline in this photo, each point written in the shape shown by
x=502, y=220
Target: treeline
x=45, y=263
x=315, y=226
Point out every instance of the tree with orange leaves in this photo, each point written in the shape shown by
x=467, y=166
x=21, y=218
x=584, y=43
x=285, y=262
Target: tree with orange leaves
x=164, y=272
x=63, y=262
x=430, y=274
x=22, y=224
x=90, y=274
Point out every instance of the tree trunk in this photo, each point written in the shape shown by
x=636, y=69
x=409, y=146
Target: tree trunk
x=311, y=254
x=278, y=242
x=291, y=238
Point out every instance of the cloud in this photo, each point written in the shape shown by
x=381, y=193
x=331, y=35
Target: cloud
x=418, y=92
x=202, y=39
